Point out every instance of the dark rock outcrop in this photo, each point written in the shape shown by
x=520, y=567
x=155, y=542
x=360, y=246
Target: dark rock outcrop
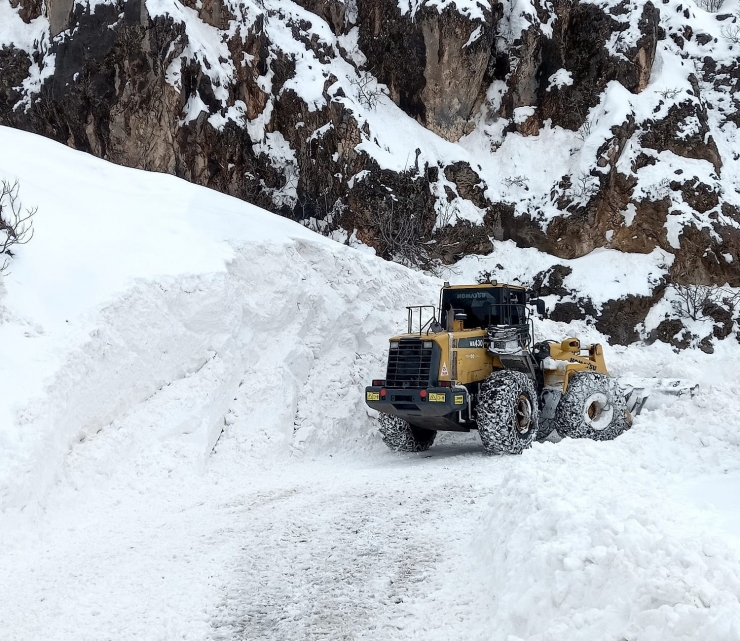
x=15, y=65
x=619, y=318
x=433, y=62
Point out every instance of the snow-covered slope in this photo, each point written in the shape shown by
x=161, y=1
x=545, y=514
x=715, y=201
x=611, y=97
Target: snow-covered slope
x=143, y=289
x=186, y=453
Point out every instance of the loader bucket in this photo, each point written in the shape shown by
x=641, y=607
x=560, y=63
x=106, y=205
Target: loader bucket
x=651, y=393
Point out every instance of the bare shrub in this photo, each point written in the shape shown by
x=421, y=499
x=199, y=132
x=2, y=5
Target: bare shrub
x=368, y=92
x=584, y=131
x=516, y=181
x=691, y=301
x=401, y=231
x=16, y=224
x=584, y=188
x=731, y=299
x=486, y=276
x=731, y=32
x=660, y=190
x=446, y=214
x=713, y=6
x=321, y=213
x=669, y=94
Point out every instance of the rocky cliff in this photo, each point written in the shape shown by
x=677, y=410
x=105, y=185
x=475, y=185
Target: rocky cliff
x=427, y=129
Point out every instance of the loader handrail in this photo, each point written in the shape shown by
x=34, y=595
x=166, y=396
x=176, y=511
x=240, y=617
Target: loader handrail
x=423, y=325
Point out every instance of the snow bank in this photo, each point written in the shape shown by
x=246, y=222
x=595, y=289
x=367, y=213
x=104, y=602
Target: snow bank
x=177, y=313
x=589, y=540
x=604, y=558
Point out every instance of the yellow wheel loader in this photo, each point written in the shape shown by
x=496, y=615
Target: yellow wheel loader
x=472, y=363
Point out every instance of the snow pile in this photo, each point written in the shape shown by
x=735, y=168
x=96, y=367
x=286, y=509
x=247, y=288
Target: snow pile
x=177, y=312
x=603, y=540
x=596, y=563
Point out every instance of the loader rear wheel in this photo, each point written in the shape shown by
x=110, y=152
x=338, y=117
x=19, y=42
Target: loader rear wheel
x=399, y=436
x=592, y=407
x=507, y=413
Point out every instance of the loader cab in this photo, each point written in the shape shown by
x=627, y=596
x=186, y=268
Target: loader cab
x=483, y=306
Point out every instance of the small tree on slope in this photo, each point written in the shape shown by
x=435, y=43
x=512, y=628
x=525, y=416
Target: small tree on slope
x=16, y=224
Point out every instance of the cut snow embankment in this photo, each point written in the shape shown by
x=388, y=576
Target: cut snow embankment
x=611, y=540
x=589, y=548
x=144, y=296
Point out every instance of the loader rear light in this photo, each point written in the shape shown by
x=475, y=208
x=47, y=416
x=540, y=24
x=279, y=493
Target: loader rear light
x=382, y=393
x=445, y=383
x=378, y=382
x=423, y=393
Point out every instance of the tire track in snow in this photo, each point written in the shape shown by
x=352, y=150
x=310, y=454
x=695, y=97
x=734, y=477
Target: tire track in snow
x=352, y=556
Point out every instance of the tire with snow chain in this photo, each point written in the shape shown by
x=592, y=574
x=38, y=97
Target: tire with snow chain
x=592, y=407
x=398, y=435
x=507, y=414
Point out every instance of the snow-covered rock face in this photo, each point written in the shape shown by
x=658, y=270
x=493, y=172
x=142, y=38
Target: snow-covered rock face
x=567, y=127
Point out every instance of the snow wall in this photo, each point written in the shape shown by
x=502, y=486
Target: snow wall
x=147, y=300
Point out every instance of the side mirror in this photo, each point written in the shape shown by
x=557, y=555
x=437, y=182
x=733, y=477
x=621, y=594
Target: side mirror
x=541, y=309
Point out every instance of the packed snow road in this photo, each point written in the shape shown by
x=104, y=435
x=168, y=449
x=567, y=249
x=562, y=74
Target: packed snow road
x=354, y=552
x=575, y=538
x=339, y=548
x=591, y=540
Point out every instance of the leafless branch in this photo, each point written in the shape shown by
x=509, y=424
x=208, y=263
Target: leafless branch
x=516, y=181
x=446, y=214
x=691, y=301
x=713, y=6
x=401, y=231
x=731, y=32
x=368, y=92
x=584, y=131
x=669, y=94
x=584, y=188
x=16, y=224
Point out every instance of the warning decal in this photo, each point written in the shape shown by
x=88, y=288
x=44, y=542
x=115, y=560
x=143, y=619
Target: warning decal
x=444, y=370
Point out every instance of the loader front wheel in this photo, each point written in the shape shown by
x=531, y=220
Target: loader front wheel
x=399, y=436
x=592, y=407
x=507, y=413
